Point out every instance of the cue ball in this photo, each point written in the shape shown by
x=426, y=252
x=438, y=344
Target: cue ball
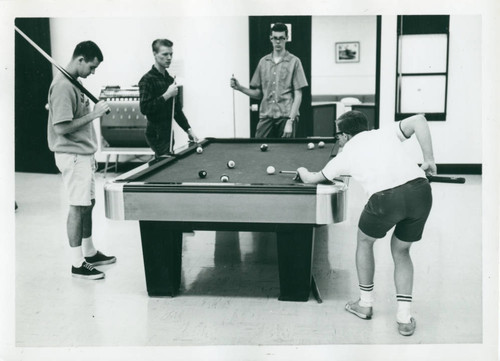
x=199, y=150
x=321, y=144
x=224, y=178
x=202, y=173
x=231, y=164
x=271, y=170
x=310, y=146
x=263, y=147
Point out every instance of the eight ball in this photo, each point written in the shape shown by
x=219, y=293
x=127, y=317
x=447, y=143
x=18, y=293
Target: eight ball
x=263, y=147
x=202, y=173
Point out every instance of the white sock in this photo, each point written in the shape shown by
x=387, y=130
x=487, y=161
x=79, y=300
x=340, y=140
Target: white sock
x=404, y=308
x=366, y=295
x=77, y=256
x=88, y=247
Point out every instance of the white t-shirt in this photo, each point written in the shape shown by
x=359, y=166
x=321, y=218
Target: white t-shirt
x=376, y=159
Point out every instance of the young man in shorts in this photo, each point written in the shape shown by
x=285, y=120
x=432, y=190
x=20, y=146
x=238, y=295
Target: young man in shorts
x=72, y=138
x=400, y=196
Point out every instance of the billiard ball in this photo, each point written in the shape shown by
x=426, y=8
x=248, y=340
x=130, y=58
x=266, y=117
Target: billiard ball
x=202, y=173
x=199, y=150
x=270, y=170
x=224, y=178
x=321, y=144
x=231, y=164
x=310, y=146
x=263, y=147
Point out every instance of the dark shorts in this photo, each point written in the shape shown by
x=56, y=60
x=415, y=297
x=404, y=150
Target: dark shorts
x=406, y=207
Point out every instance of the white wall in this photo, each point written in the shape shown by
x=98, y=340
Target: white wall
x=458, y=139
x=207, y=51
x=329, y=77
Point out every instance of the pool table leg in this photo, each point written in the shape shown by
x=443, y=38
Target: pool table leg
x=295, y=263
x=162, y=253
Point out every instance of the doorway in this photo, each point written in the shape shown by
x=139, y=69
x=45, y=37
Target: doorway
x=33, y=75
x=345, y=68
x=316, y=41
x=300, y=46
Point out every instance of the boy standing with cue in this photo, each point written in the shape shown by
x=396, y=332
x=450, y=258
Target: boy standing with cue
x=158, y=91
x=277, y=83
x=71, y=136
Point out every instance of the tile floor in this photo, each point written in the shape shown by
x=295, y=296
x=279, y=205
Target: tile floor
x=229, y=283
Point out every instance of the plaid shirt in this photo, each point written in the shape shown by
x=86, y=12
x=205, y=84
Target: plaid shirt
x=158, y=110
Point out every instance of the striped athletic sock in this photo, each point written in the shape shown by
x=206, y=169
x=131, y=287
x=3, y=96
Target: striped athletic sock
x=404, y=308
x=366, y=295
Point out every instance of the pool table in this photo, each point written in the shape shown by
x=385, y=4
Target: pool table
x=168, y=198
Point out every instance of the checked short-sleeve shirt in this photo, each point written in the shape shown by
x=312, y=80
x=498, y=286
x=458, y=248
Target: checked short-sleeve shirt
x=277, y=82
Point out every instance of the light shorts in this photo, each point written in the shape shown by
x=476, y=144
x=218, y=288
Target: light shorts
x=78, y=177
x=406, y=207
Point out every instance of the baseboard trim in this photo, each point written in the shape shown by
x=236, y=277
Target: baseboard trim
x=460, y=169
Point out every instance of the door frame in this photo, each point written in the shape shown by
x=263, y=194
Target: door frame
x=259, y=33
x=300, y=46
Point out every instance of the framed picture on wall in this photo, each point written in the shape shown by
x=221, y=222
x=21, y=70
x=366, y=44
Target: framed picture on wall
x=347, y=52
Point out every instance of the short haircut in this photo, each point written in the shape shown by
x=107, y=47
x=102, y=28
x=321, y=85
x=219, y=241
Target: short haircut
x=352, y=122
x=280, y=27
x=161, y=42
x=89, y=50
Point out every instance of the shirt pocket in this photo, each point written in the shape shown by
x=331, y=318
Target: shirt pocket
x=284, y=73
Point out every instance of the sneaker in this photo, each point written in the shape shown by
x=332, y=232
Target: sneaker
x=100, y=259
x=353, y=307
x=86, y=271
x=407, y=329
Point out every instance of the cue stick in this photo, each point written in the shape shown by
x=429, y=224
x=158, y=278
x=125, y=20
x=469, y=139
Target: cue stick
x=431, y=178
x=60, y=68
x=336, y=179
x=291, y=172
x=315, y=290
x=441, y=179
x=171, y=146
x=234, y=115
